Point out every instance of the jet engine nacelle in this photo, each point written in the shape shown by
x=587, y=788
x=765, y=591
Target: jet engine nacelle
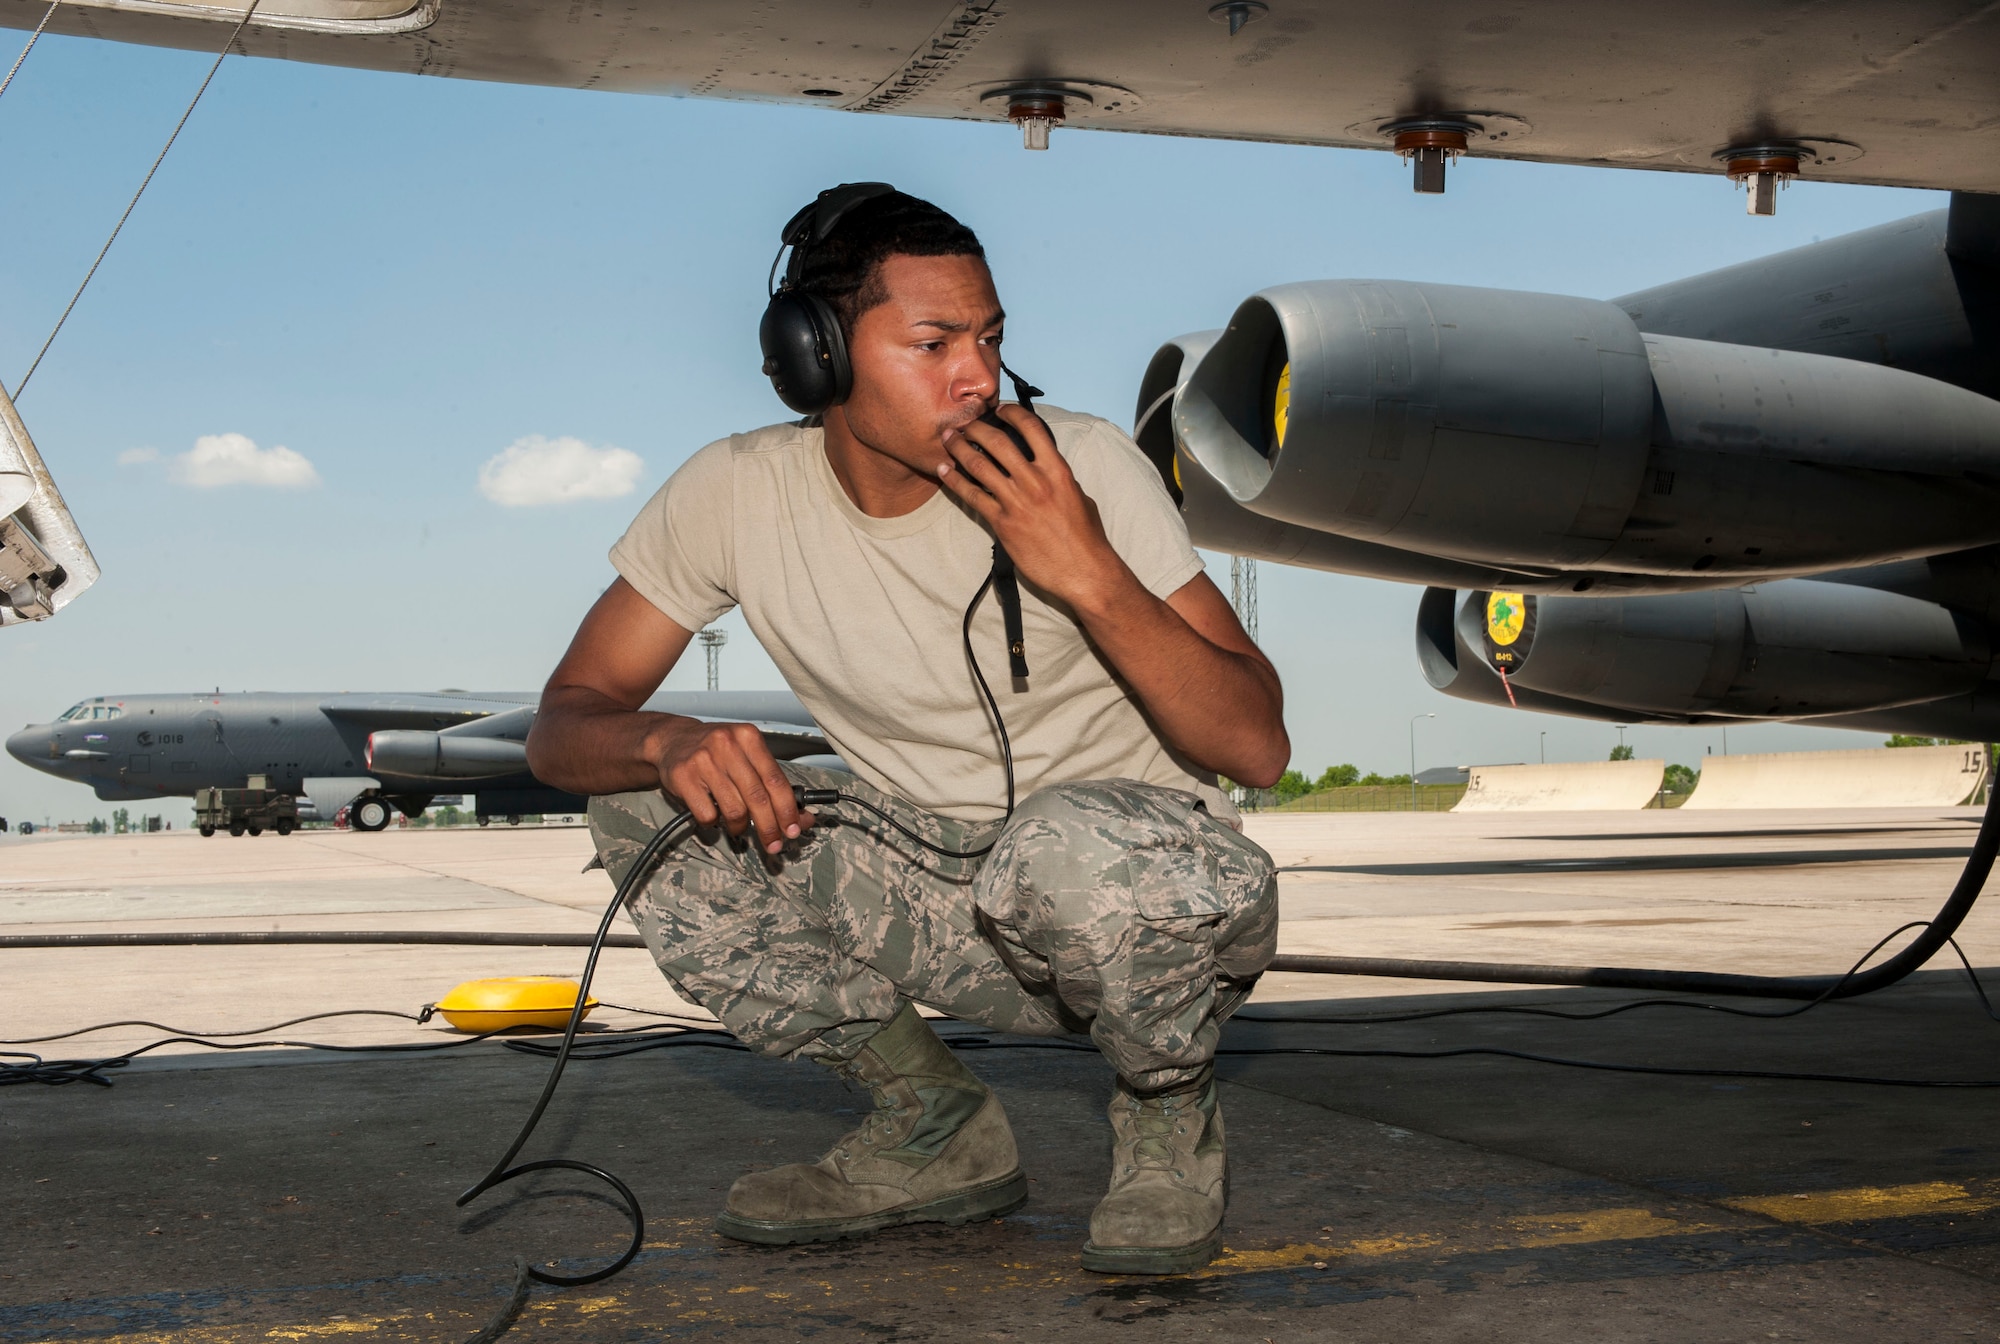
x=1540, y=431
x=1218, y=521
x=1791, y=649
x=425, y=755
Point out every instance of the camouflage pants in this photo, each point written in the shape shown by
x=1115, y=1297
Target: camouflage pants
x=1113, y=908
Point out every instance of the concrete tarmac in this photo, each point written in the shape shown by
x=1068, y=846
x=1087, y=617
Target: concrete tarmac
x=297, y=1195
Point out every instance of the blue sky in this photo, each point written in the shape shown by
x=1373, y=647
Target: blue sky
x=398, y=278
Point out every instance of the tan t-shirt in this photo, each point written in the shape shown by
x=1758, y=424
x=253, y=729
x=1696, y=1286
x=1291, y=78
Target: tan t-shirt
x=862, y=614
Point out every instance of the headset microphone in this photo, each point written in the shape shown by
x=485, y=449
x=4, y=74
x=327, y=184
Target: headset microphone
x=1006, y=588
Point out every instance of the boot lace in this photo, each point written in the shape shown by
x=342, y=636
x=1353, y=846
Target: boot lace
x=1155, y=1121
x=877, y=1129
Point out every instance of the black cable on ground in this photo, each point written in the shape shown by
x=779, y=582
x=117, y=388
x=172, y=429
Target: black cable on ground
x=61, y=1071
x=1832, y=991
x=189, y=1031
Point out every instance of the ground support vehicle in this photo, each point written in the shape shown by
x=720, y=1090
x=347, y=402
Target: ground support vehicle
x=255, y=809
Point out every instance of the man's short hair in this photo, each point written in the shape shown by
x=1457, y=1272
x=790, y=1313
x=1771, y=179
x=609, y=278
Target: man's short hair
x=845, y=267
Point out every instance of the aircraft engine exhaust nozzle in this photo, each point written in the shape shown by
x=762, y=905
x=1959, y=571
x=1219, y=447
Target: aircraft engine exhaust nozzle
x=1546, y=435
x=402, y=751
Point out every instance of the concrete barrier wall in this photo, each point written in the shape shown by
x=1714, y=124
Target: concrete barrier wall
x=1881, y=777
x=1572, y=786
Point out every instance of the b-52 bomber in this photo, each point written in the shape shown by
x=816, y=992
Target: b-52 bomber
x=375, y=754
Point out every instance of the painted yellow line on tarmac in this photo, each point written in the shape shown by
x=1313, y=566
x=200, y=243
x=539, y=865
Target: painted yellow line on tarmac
x=1868, y=1202
x=1509, y=1234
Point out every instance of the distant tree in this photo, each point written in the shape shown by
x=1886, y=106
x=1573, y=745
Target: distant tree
x=1906, y=740
x=1291, y=785
x=121, y=821
x=97, y=826
x=1378, y=781
x=1621, y=752
x=1680, y=779
x=1337, y=777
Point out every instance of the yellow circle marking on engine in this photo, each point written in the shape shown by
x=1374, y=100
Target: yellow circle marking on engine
x=1281, y=404
x=1505, y=614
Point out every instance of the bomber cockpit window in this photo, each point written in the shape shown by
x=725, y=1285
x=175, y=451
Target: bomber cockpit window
x=73, y=713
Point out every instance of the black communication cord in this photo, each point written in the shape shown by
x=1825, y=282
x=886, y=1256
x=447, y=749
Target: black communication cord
x=61, y=1071
x=678, y=828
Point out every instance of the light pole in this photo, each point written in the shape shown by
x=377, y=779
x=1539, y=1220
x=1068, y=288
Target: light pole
x=712, y=641
x=1545, y=747
x=1413, y=757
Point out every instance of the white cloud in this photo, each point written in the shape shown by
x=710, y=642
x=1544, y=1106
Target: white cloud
x=535, y=470
x=132, y=457
x=232, y=459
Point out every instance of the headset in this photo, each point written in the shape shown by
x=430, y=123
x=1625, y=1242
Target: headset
x=805, y=355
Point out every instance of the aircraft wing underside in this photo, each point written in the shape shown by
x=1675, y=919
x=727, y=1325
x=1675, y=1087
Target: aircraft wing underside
x=1890, y=94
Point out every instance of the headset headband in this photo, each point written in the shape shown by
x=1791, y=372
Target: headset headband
x=816, y=220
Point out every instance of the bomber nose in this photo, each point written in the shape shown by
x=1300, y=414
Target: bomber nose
x=30, y=746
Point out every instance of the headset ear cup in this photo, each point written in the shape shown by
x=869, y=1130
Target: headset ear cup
x=797, y=360
x=832, y=344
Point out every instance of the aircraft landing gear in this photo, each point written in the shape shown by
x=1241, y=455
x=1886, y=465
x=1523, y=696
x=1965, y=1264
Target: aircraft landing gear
x=208, y=830
x=256, y=831
x=236, y=828
x=368, y=814
x=285, y=826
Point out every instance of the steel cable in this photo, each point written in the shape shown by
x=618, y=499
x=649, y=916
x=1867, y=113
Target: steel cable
x=131, y=205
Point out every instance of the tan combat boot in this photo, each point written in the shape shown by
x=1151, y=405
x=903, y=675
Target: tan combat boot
x=936, y=1150
x=1169, y=1185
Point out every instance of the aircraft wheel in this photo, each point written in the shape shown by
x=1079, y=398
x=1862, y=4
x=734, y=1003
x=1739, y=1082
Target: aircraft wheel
x=483, y=821
x=256, y=831
x=369, y=814
x=285, y=826
x=208, y=830
x=236, y=828
x=513, y=821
